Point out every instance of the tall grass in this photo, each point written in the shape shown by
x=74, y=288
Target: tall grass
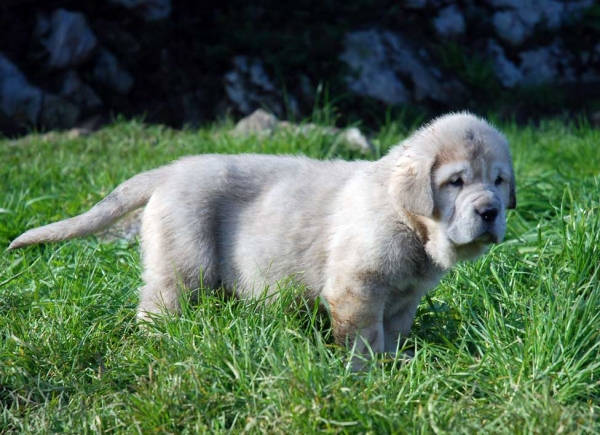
x=507, y=344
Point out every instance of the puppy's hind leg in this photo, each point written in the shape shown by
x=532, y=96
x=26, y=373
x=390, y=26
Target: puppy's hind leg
x=161, y=291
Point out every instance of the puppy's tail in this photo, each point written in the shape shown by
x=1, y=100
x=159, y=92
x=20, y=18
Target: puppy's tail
x=128, y=196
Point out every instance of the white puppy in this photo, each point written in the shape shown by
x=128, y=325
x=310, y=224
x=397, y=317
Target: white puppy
x=369, y=238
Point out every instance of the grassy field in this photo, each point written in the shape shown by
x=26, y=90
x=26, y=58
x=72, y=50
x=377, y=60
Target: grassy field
x=508, y=344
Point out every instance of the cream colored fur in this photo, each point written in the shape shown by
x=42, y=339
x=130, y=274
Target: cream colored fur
x=369, y=238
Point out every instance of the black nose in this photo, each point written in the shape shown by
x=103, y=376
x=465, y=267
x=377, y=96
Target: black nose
x=488, y=214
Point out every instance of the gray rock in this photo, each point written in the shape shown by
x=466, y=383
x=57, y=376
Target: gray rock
x=109, y=72
x=259, y=121
x=353, y=138
x=510, y=27
x=148, y=10
x=575, y=8
x=117, y=39
x=263, y=123
x=383, y=63
x=506, y=71
x=80, y=94
x=373, y=73
x=248, y=87
x=499, y=4
x=515, y=21
x=20, y=102
x=415, y=4
x=65, y=38
x=539, y=66
x=546, y=65
x=58, y=112
x=449, y=22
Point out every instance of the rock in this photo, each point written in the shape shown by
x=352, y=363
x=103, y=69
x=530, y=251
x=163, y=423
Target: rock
x=109, y=73
x=65, y=39
x=516, y=20
x=80, y=94
x=117, y=39
x=546, y=65
x=373, y=73
x=249, y=87
x=261, y=122
x=571, y=7
x=148, y=10
x=384, y=66
x=539, y=66
x=507, y=72
x=499, y=4
x=449, y=22
x=355, y=140
x=511, y=28
x=20, y=102
x=58, y=112
x=575, y=8
x=415, y=4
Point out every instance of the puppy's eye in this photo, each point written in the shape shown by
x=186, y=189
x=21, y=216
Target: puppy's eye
x=499, y=180
x=457, y=182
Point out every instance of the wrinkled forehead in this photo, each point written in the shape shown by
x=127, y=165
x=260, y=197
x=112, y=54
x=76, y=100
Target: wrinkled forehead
x=481, y=150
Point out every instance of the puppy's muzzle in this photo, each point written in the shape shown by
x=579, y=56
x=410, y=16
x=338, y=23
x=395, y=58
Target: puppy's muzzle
x=488, y=214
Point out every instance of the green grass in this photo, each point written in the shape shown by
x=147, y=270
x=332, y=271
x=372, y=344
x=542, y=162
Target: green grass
x=508, y=344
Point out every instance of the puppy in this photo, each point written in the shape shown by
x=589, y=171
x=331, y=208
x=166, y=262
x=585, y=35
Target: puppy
x=368, y=238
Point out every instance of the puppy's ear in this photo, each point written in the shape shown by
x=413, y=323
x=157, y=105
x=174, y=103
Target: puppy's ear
x=410, y=184
x=512, y=198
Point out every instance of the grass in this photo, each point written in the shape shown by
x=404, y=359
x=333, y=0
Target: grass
x=507, y=344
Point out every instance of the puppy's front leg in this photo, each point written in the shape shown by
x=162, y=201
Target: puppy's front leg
x=397, y=325
x=357, y=320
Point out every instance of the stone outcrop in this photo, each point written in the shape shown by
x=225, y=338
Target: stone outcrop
x=183, y=63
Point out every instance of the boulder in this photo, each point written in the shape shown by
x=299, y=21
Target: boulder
x=506, y=71
x=515, y=21
x=58, y=112
x=20, y=102
x=547, y=64
x=117, y=39
x=109, y=73
x=385, y=66
x=80, y=94
x=373, y=75
x=263, y=123
x=415, y=4
x=64, y=39
x=148, y=10
x=248, y=87
x=259, y=121
x=449, y=22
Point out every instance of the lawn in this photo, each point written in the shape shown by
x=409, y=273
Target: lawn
x=507, y=344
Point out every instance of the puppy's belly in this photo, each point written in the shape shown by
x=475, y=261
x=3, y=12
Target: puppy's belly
x=269, y=243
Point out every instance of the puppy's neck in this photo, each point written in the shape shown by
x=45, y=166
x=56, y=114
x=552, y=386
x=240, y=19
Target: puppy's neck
x=439, y=248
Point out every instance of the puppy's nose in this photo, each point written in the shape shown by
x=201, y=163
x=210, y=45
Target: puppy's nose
x=488, y=214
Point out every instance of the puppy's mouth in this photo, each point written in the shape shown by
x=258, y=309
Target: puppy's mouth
x=487, y=238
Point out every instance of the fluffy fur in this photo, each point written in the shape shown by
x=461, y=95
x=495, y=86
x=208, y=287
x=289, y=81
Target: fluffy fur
x=369, y=238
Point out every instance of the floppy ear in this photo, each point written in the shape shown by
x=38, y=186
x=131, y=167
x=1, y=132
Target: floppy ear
x=410, y=184
x=512, y=198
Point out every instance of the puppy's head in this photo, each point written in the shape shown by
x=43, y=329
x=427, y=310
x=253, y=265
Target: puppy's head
x=456, y=177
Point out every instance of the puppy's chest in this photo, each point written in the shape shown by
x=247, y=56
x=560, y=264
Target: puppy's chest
x=415, y=286
x=408, y=291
